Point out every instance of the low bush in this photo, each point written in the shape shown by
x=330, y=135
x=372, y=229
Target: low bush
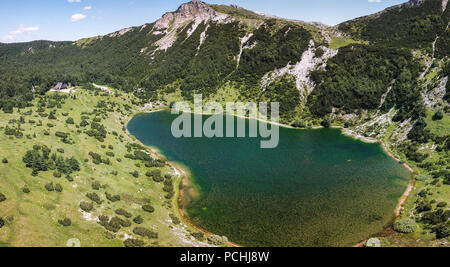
x=112, y=226
x=217, y=240
x=2, y=197
x=198, y=236
x=124, y=213
x=65, y=222
x=103, y=218
x=2, y=223
x=421, y=177
x=174, y=219
x=26, y=190
x=148, y=208
x=439, y=115
x=405, y=226
x=50, y=187
x=138, y=219
x=121, y=222
x=94, y=197
x=133, y=243
x=70, y=121
x=86, y=206
x=69, y=178
x=443, y=231
x=144, y=232
x=112, y=198
x=96, y=185
x=5, y=161
x=58, y=188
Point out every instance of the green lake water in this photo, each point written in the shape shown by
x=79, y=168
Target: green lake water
x=317, y=188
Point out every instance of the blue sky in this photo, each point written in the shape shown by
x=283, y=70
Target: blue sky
x=58, y=20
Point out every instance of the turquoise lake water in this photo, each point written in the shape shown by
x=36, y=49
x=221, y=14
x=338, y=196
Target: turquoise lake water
x=317, y=188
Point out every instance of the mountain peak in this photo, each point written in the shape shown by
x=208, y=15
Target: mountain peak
x=192, y=11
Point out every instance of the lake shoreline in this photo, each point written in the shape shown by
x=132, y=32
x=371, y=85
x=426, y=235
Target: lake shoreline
x=185, y=176
x=183, y=180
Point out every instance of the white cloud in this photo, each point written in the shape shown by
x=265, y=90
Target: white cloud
x=87, y=8
x=78, y=17
x=21, y=30
x=74, y=1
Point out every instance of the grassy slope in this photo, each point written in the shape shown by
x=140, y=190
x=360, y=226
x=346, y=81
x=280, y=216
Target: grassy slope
x=338, y=42
x=438, y=192
x=441, y=127
x=32, y=219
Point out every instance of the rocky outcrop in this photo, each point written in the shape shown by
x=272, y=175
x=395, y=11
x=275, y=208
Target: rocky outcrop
x=194, y=11
x=413, y=3
x=436, y=95
x=302, y=69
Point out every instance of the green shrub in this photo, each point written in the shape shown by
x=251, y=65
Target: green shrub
x=70, y=121
x=5, y=161
x=198, y=236
x=405, y=226
x=439, y=115
x=124, y=213
x=144, y=232
x=58, y=188
x=148, y=208
x=442, y=204
x=421, y=177
x=121, y=222
x=2, y=223
x=50, y=187
x=135, y=174
x=57, y=174
x=86, y=206
x=2, y=197
x=112, y=198
x=103, y=218
x=174, y=219
x=326, y=122
x=94, y=197
x=69, y=178
x=65, y=222
x=138, y=219
x=217, y=240
x=443, y=231
x=299, y=124
x=26, y=190
x=96, y=185
x=113, y=225
x=133, y=243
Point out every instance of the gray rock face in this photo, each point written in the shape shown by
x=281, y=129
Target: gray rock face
x=194, y=10
x=413, y=3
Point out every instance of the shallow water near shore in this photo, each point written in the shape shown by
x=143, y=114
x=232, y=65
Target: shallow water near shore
x=317, y=188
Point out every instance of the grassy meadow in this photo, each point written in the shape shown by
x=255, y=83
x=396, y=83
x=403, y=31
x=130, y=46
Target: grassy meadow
x=33, y=215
